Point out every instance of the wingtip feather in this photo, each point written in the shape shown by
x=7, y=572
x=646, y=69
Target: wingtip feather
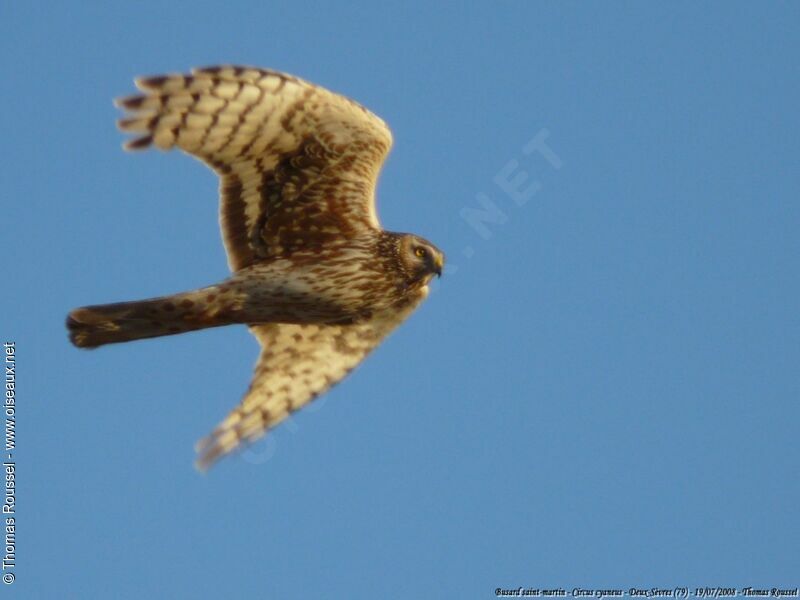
x=133, y=102
x=151, y=82
x=140, y=143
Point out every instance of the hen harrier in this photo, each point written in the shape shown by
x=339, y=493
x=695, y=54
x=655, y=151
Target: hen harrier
x=314, y=276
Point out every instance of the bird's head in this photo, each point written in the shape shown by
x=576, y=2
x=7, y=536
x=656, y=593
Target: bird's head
x=421, y=260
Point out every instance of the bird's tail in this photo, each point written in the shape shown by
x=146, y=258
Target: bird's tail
x=92, y=326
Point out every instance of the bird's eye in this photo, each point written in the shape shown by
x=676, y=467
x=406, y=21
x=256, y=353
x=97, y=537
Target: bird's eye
x=421, y=252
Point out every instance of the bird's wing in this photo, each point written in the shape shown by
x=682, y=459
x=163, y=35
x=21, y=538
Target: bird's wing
x=298, y=164
x=297, y=364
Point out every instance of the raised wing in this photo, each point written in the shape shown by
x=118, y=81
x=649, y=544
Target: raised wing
x=297, y=364
x=298, y=164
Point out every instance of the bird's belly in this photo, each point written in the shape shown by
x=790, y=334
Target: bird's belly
x=283, y=291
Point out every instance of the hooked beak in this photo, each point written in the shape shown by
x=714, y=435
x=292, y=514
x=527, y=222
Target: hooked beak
x=438, y=264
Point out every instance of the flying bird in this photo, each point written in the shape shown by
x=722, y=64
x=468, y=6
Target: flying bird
x=314, y=276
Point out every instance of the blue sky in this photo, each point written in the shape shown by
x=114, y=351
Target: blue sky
x=601, y=392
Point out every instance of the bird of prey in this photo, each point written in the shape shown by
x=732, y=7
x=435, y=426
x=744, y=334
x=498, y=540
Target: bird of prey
x=314, y=276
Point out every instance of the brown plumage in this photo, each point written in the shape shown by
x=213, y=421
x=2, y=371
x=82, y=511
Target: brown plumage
x=314, y=276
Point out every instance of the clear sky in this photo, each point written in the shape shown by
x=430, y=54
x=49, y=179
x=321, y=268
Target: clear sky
x=603, y=391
